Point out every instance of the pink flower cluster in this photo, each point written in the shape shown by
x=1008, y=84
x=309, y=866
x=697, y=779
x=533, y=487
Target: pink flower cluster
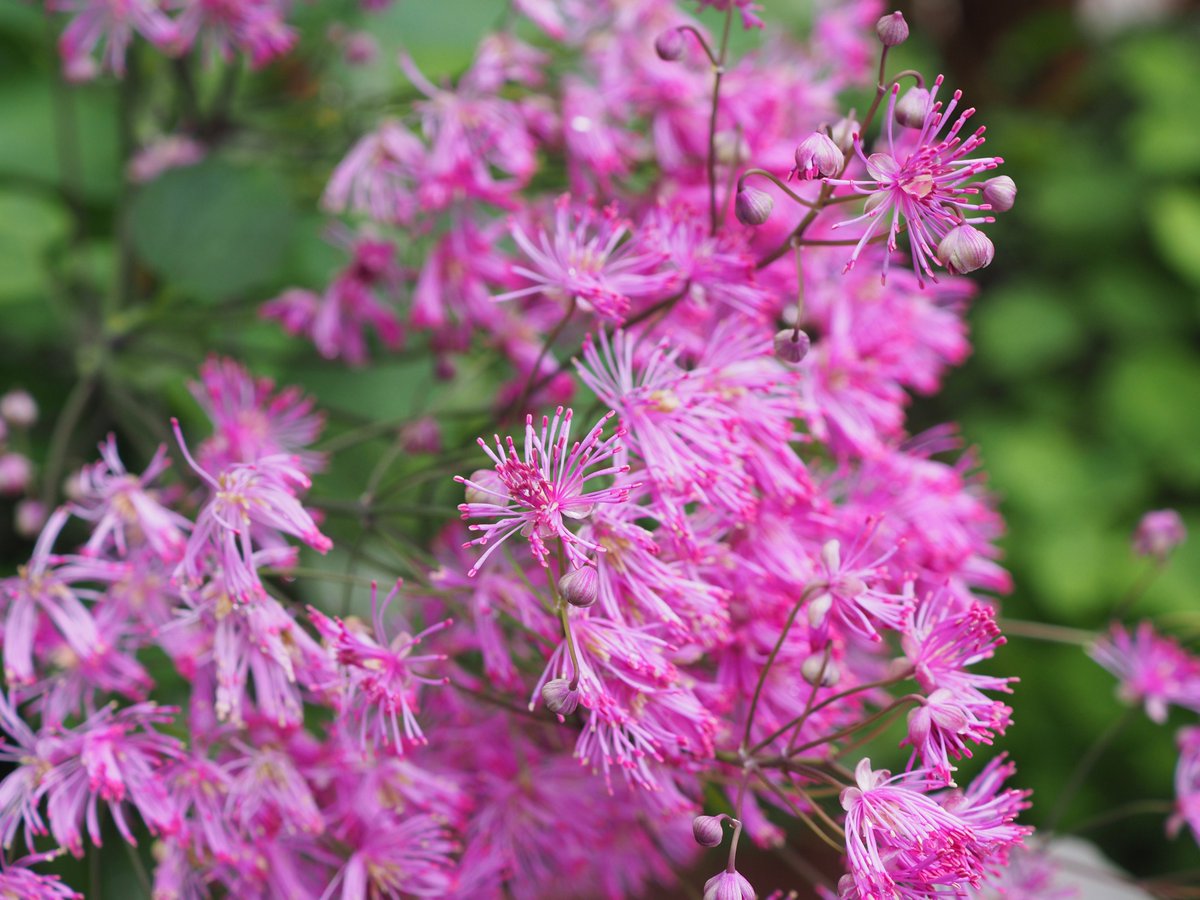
x=713, y=586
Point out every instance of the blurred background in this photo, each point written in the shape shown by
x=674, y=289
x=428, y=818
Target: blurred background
x=1082, y=397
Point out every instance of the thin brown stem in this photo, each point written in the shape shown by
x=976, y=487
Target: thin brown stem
x=718, y=74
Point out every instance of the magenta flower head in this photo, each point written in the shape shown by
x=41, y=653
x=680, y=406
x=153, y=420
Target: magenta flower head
x=818, y=156
x=922, y=182
x=19, y=881
x=752, y=206
x=965, y=249
x=892, y=30
x=543, y=487
x=1187, y=784
x=16, y=471
x=669, y=45
x=1151, y=669
x=1159, y=532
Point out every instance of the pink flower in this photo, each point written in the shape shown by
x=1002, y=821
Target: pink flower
x=251, y=419
x=379, y=176
x=1151, y=669
x=50, y=586
x=115, y=757
x=920, y=181
x=376, y=687
x=246, y=497
x=584, y=260
x=393, y=856
x=1187, y=784
x=124, y=511
x=254, y=27
x=852, y=592
x=171, y=151
x=337, y=320
x=536, y=492
x=1158, y=533
x=18, y=880
x=109, y=27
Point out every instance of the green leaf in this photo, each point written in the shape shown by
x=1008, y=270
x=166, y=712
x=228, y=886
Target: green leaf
x=1175, y=221
x=213, y=230
x=29, y=224
x=36, y=121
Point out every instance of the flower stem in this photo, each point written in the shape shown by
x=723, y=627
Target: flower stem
x=718, y=74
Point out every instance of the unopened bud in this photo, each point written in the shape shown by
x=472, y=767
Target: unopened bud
x=29, y=518
x=1000, y=193
x=752, y=206
x=892, y=30
x=560, y=698
x=707, y=831
x=16, y=471
x=818, y=609
x=731, y=148
x=912, y=107
x=965, y=249
x=820, y=667
x=791, y=346
x=485, y=486
x=1159, y=532
x=19, y=408
x=669, y=45
x=578, y=586
x=843, y=131
x=818, y=156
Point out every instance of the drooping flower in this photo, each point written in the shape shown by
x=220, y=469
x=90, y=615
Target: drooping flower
x=1158, y=533
x=534, y=493
x=920, y=182
x=257, y=28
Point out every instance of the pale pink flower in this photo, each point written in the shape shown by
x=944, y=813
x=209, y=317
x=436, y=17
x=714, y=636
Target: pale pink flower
x=105, y=29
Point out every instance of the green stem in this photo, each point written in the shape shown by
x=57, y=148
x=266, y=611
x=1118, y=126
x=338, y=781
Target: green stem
x=718, y=74
x=762, y=676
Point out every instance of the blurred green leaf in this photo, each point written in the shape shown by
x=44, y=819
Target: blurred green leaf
x=1175, y=220
x=36, y=120
x=214, y=230
x=1027, y=326
x=29, y=224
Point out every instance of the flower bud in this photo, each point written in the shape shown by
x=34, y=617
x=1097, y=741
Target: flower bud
x=816, y=667
x=912, y=107
x=752, y=206
x=29, y=518
x=669, y=45
x=965, y=249
x=560, y=698
x=999, y=193
x=892, y=30
x=843, y=131
x=485, y=486
x=818, y=156
x=791, y=346
x=1159, y=532
x=578, y=586
x=15, y=473
x=19, y=408
x=707, y=831
x=818, y=609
